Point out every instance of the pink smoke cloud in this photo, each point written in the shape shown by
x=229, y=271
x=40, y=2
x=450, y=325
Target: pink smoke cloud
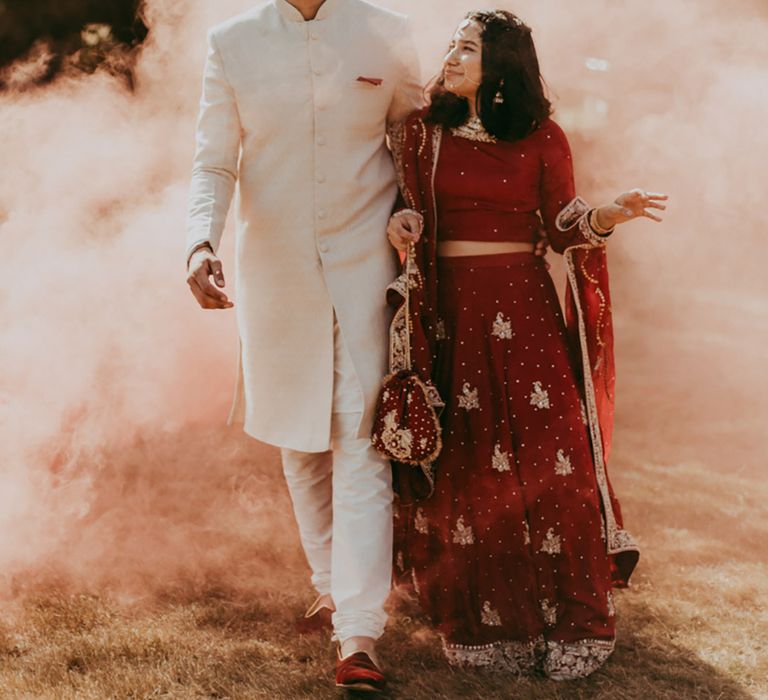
x=111, y=373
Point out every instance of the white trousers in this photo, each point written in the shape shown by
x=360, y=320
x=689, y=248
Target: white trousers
x=342, y=499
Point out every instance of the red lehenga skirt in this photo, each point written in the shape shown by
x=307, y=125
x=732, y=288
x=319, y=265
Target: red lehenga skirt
x=508, y=556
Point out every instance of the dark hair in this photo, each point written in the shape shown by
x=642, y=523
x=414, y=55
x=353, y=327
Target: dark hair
x=510, y=67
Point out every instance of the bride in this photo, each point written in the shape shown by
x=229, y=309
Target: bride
x=514, y=538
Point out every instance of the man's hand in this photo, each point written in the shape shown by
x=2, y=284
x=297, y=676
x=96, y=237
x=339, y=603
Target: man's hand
x=203, y=265
x=404, y=227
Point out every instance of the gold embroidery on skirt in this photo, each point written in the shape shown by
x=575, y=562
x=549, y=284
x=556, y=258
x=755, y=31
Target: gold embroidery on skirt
x=489, y=616
x=551, y=543
x=563, y=464
x=468, y=399
x=549, y=611
x=500, y=460
x=463, y=534
x=502, y=327
x=539, y=396
x=420, y=522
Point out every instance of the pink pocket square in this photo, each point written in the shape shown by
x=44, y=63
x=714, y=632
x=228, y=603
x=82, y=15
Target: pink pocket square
x=370, y=81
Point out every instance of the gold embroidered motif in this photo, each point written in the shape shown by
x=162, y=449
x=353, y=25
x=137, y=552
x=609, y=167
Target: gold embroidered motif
x=473, y=130
x=489, y=616
x=440, y=333
x=558, y=660
x=400, y=562
x=549, y=611
x=563, y=464
x=420, y=522
x=502, y=328
x=583, y=408
x=539, y=396
x=500, y=460
x=463, y=534
x=551, y=543
x=468, y=400
x=526, y=533
x=396, y=136
x=602, y=529
x=601, y=315
x=566, y=661
x=398, y=442
x=519, y=658
x=611, y=605
x=571, y=213
x=398, y=339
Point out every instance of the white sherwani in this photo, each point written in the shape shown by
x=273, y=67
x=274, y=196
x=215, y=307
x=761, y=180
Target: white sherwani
x=285, y=116
x=294, y=113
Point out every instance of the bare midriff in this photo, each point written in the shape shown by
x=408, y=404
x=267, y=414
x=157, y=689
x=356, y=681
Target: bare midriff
x=454, y=249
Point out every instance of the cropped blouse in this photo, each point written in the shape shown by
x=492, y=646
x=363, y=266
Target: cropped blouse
x=503, y=191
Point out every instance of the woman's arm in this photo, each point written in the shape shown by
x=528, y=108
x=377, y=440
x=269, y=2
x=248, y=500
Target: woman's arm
x=568, y=220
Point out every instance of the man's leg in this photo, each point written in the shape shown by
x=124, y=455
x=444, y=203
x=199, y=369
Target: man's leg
x=361, y=562
x=308, y=475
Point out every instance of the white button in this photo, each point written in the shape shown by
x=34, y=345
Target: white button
x=321, y=178
x=322, y=214
x=314, y=36
x=321, y=141
x=317, y=71
x=324, y=247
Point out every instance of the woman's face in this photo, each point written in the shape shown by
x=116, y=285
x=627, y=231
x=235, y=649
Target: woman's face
x=463, y=64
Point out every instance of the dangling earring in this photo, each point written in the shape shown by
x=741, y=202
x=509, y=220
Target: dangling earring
x=499, y=99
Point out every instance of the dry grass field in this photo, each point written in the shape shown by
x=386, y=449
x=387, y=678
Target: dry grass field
x=693, y=625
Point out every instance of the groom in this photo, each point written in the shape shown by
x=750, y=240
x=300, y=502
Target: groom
x=297, y=95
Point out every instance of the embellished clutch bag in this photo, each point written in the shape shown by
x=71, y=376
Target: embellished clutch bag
x=406, y=427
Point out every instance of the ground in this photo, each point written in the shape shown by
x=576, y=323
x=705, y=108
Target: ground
x=692, y=625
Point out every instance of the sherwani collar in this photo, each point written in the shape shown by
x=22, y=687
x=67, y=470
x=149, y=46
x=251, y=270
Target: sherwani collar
x=291, y=14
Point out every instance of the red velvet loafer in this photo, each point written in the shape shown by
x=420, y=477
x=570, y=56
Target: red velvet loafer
x=357, y=672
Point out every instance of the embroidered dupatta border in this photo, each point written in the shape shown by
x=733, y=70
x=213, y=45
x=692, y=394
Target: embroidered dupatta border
x=617, y=540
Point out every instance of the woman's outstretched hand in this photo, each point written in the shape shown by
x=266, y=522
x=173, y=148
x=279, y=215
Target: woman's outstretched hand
x=631, y=205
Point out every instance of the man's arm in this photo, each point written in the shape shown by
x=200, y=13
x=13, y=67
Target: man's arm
x=409, y=91
x=214, y=174
x=214, y=171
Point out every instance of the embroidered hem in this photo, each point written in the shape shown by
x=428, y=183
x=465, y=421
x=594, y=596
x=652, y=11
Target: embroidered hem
x=560, y=661
x=566, y=661
x=519, y=658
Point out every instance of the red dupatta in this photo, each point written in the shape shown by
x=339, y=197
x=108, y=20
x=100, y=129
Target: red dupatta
x=415, y=145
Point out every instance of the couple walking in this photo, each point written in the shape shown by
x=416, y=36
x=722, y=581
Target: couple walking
x=515, y=549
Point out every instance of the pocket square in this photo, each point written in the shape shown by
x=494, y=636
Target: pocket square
x=370, y=81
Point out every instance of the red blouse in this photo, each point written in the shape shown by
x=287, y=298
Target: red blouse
x=495, y=191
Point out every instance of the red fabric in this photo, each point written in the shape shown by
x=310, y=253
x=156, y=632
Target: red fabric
x=498, y=478
x=494, y=191
x=515, y=554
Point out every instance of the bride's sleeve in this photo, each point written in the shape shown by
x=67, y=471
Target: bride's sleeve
x=565, y=215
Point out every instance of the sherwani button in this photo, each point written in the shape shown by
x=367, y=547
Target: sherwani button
x=322, y=214
x=324, y=247
x=321, y=178
x=321, y=141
